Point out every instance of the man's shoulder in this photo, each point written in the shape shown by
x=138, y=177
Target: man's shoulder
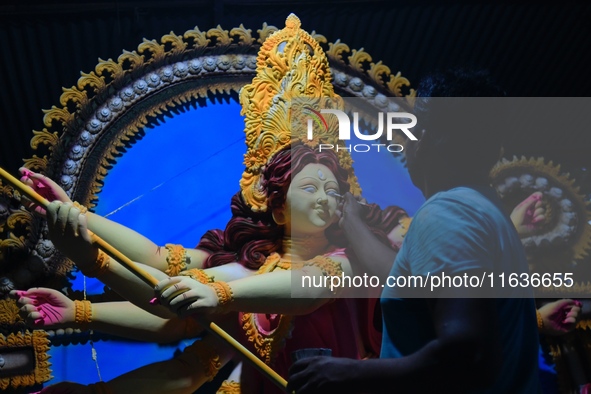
x=457, y=210
x=458, y=200
x=459, y=194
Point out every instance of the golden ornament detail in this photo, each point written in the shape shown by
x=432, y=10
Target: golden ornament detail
x=100, y=266
x=292, y=74
x=198, y=274
x=229, y=387
x=82, y=313
x=223, y=292
x=176, y=259
x=203, y=354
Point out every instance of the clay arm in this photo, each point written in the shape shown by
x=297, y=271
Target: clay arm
x=139, y=293
x=136, y=246
x=68, y=231
x=183, y=374
x=127, y=320
x=274, y=292
x=281, y=292
x=463, y=356
x=129, y=242
x=43, y=308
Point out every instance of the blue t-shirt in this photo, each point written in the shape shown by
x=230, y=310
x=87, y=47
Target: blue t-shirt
x=453, y=232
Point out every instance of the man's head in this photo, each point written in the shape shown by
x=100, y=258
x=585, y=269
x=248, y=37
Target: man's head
x=459, y=130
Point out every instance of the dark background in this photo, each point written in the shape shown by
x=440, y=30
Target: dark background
x=532, y=49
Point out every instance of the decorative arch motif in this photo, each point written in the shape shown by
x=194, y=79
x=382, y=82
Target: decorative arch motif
x=106, y=112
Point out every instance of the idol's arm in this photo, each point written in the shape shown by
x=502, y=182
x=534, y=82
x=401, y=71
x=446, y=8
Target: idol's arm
x=129, y=242
x=183, y=374
x=135, y=290
x=127, y=320
x=139, y=248
x=294, y=292
x=180, y=375
x=68, y=231
x=43, y=308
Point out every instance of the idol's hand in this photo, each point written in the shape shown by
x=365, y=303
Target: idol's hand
x=66, y=388
x=528, y=215
x=44, y=186
x=350, y=209
x=320, y=375
x=186, y=296
x=560, y=317
x=69, y=233
x=46, y=308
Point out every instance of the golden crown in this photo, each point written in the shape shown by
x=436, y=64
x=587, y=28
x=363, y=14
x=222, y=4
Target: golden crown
x=292, y=71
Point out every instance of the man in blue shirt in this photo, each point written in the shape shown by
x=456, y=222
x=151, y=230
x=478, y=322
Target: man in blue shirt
x=452, y=341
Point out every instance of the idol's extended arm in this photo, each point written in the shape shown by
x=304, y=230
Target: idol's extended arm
x=375, y=257
x=464, y=356
x=135, y=290
x=281, y=291
x=137, y=247
x=43, y=308
x=129, y=242
x=68, y=232
x=180, y=375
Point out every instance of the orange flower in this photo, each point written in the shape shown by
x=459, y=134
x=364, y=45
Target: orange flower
x=254, y=159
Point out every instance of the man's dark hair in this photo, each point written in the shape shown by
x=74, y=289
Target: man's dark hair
x=463, y=131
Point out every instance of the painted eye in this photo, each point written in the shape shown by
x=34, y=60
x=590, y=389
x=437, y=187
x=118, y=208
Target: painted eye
x=309, y=189
x=333, y=193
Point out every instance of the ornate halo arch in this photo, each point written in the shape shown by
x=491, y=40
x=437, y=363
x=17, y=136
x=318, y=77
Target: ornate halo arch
x=106, y=112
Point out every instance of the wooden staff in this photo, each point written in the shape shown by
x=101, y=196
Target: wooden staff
x=151, y=281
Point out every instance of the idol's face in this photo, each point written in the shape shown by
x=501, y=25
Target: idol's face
x=312, y=200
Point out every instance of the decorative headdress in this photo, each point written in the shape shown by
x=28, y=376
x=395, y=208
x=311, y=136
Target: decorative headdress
x=292, y=74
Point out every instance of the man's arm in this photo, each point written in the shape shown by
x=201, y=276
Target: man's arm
x=465, y=355
x=375, y=257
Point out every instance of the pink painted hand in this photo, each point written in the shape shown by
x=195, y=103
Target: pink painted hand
x=47, y=308
x=560, y=317
x=528, y=215
x=44, y=186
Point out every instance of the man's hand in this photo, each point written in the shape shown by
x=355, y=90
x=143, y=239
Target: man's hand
x=321, y=375
x=350, y=209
